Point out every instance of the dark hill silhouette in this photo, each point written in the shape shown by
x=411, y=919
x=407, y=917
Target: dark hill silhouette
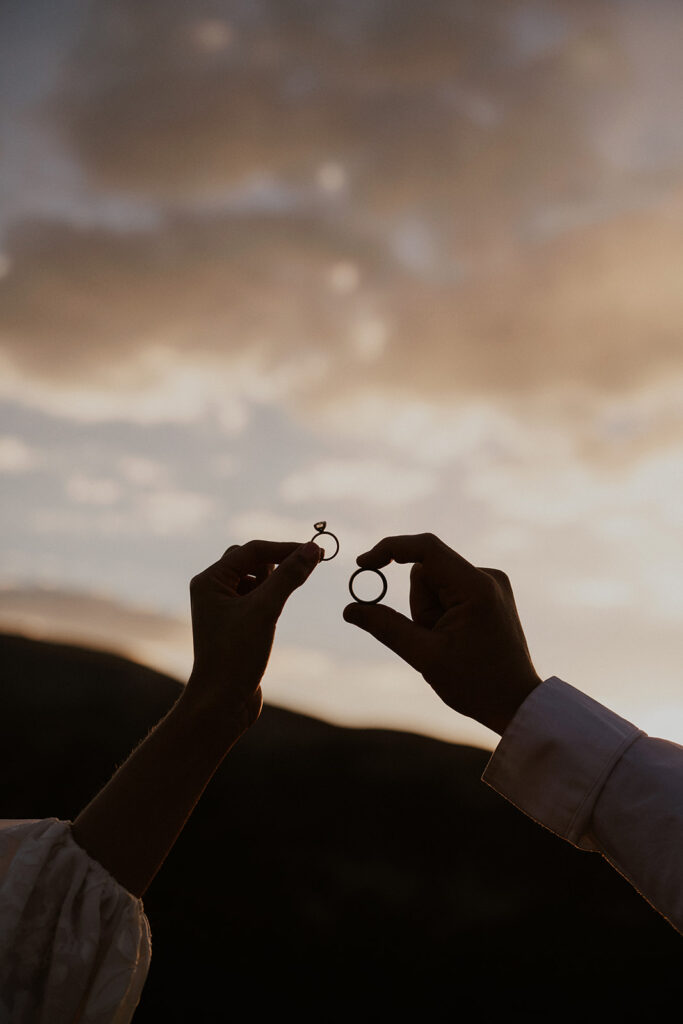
x=334, y=872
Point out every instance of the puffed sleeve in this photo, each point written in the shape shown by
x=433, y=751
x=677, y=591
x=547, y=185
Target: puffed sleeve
x=74, y=944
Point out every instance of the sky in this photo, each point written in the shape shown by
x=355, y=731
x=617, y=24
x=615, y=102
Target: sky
x=402, y=267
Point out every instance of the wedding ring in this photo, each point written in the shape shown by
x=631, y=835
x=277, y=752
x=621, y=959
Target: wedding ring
x=374, y=600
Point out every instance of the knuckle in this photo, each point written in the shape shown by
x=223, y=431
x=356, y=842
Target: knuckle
x=486, y=584
x=233, y=547
x=249, y=547
x=498, y=575
x=493, y=585
x=428, y=542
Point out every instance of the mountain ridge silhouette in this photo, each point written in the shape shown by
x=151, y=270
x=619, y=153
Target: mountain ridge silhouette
x=329, y=871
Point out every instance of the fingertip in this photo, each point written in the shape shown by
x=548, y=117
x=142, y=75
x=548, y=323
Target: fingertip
x=350, y=613
x=375, y=557
x=311, y=553
x=290, y=574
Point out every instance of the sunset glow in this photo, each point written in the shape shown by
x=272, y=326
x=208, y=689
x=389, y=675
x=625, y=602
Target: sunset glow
x=401, y=270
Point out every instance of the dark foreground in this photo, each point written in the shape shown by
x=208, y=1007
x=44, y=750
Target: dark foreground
x=334, y=873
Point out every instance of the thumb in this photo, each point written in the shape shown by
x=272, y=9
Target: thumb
x=413, y=643
x=289, y=575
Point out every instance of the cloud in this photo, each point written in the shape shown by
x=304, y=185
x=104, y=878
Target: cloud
x=414, y=203
x=272, y=524
x=290, y=90
x=99, y=622
x=97, y=508
x=213, y=314
x=597, y=592
x=87, y=490
x=224, y=466
x=363, y=481
x=153, y=386
x=16, y=456
x=142, y=472
x=163, y=512
x=535, y=488
x=402, y=100
x=205, y=313
x=171, y=512
x=431, y=433
x=263, y=523
x=220, y=284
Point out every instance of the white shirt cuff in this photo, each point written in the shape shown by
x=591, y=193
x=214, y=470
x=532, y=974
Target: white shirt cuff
x=556, y=755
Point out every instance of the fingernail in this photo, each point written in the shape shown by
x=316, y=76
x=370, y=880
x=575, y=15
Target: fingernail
x=311, y=552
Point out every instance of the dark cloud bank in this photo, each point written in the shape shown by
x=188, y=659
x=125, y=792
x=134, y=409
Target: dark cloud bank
x=487, y=227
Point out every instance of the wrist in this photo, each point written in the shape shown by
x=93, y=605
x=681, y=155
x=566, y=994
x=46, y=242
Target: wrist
x=503, y=715
x=212, y=709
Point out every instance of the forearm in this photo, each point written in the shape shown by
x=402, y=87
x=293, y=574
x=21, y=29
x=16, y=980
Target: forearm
x=131, y=825
x=134, y=821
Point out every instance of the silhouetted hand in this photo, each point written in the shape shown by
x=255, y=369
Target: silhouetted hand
x=133, y=822
x=465, y=636
x=236, y=603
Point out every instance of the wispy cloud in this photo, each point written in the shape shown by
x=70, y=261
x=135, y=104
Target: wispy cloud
x=170, y=512
x=16, y=456
x=87, y=490
x=93, y=620
x=363, y=481
x=142, y=471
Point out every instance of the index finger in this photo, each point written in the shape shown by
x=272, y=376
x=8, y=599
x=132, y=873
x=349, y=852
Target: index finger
x=441, y=562
x=256, y=555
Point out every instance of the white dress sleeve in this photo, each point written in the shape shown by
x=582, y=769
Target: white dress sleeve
x=74, y=944
x=595, y=779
